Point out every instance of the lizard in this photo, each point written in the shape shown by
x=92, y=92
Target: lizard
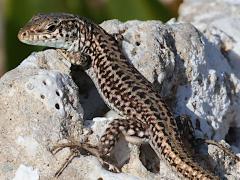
x=145, y=115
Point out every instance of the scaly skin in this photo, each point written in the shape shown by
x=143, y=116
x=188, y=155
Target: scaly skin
x=123, y=88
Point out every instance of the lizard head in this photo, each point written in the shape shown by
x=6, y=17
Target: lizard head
x=58, y=30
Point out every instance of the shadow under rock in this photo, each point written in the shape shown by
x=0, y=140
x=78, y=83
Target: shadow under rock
x=92, y=104
x=233, y=136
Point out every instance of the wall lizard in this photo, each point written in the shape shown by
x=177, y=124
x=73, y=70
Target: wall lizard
x=145, y=115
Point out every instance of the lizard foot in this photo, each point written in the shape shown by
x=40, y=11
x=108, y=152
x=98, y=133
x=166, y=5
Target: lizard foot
x=76, y=149
x=74, y=153
x=223, y=148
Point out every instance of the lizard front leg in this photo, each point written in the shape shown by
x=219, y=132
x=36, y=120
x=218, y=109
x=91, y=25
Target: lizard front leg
x=76, y=58
x=83, y=60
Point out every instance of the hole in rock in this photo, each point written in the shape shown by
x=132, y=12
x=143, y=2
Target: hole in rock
x=57, y=106
x=42, y=96
x=92, y=104
x=44, y=82
x=57, y=93
x=149, y=158
x=137, y=43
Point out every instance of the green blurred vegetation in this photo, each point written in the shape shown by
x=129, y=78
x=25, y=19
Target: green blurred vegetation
x=19, y=12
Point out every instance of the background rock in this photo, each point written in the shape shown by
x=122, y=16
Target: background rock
x=219, y=21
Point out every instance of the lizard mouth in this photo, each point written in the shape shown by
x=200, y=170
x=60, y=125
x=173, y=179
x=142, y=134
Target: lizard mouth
x=33, y=37
x=22, y=35
x=40, y=38
x=25, y=36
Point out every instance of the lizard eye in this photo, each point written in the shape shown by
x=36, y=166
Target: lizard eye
x=51, y=28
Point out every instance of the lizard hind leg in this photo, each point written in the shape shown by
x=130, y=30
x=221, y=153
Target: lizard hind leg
x=187, y=133
x=185, y=126
x=134, y=131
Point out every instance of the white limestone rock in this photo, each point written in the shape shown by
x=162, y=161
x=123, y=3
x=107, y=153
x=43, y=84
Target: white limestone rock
x=25, y=172
x=219, y=22
x=39, y=105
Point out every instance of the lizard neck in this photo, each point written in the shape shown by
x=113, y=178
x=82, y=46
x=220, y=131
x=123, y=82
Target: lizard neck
x=98, y=44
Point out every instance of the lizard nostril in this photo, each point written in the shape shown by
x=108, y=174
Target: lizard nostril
x=24, y=34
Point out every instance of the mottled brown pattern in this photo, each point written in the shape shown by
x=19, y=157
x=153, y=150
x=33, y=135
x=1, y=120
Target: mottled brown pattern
x=122, y=87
